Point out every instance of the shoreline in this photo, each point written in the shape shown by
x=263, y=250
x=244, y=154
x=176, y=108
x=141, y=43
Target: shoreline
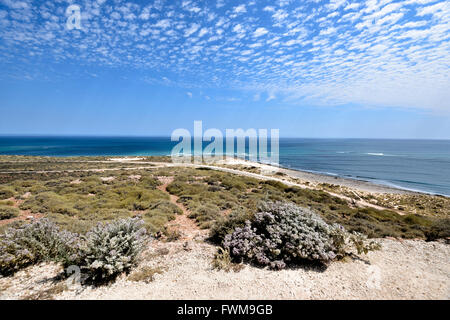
x=307, y=177
x=333, y=179
x=354, y=183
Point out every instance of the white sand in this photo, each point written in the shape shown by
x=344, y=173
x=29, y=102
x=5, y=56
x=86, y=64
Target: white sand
x=401, y=270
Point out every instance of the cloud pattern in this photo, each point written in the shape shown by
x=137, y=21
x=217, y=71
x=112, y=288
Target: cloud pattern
x=317, y=52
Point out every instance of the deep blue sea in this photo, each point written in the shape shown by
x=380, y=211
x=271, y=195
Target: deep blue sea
x=421, y=165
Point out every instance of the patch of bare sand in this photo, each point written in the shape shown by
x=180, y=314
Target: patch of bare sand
x=408, y=269
x=401, y=270
x=125, y=159
x=107, y=179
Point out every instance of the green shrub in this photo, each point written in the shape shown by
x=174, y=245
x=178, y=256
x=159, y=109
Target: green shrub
x=6, y=203
x=233, y=183
x=205, y=215
x=166, y=207
x=7, y=212
x=6, y=192
x=222, y=260
x=39, y=241
x=138, y=198
x=109, y=249
x=49, y=202
x=283, y=234
x=440, y=229
x=148, y=182
x=159, y=215
x=227, y=225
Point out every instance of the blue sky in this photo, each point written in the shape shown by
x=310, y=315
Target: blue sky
x=318, y=68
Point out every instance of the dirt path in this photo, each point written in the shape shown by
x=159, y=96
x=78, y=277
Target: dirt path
x=187, y=227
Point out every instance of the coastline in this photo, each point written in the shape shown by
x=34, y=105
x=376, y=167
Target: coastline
x=408, y=166
x=302, y=175
x=353, y=183
x=319, y=178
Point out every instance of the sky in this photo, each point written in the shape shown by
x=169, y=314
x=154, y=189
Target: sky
x=317, y=68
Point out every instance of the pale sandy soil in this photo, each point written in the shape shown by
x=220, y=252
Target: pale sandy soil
x=401, y=270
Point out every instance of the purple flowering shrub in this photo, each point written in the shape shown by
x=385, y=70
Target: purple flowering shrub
x=284, y=234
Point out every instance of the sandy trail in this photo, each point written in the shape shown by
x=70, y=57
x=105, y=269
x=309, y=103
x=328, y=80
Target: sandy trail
x=183, y=224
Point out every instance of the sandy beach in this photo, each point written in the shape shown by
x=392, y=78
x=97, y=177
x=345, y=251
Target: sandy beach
x=317, y=178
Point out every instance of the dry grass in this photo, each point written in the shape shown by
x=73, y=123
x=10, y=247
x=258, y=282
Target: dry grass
x=145, y=274
x=47, y=294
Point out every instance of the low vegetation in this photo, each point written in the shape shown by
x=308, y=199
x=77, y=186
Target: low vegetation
x=8, y=212
x=218, y=201
x=108, y=250
x=145, y=274
x=33, y=243
x=102, y=254
x=283, y=234
x=6, y=192
x=87, y=210
x=221, y=201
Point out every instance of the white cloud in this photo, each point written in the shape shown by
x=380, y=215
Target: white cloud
x=240, y=9
x=14, y=4
x=271, y=96
x=321, y=51
x=191, y=30
x=260, y=32
x=165, y=23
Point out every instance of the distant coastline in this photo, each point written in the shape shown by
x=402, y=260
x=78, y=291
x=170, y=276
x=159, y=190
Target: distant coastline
x=408, y=165
x=351, y=182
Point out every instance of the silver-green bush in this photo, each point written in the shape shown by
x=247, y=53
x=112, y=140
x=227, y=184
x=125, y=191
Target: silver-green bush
x=283, y=234
x=33, y=243
x=102, y=254
x=109, y=249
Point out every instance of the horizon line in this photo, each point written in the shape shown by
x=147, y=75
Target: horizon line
x=50, y=135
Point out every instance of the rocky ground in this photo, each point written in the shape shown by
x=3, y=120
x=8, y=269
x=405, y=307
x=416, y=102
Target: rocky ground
x=409, y=269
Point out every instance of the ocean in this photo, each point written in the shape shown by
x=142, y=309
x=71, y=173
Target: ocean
x=419, y=165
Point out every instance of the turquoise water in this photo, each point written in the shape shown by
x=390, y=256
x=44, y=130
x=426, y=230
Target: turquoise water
x=422, y=165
